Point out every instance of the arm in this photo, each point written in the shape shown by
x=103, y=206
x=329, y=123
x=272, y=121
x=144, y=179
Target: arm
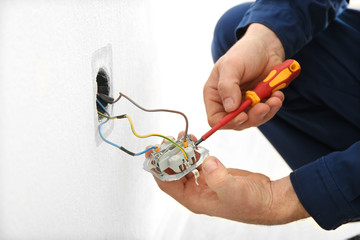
x=329, y=187
x=294, y=22
x=342, y=204
x=336, y=178
x=286, y=204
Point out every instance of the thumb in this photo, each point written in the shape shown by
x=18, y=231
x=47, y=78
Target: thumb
x=230, y=93
x=216, y=175
x=229, y=87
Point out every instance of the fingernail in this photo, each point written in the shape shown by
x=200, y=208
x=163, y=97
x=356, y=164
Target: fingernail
x=263, y=115
x=210, y=165
x=239, y=123
x=228, y=102
x=240, y=116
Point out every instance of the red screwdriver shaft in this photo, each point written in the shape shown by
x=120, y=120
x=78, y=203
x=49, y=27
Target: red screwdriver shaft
x=227, y=119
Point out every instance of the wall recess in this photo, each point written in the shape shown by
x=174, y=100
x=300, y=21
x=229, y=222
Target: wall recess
x=102, y=80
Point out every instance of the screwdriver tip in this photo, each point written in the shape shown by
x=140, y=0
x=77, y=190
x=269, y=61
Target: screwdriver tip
x=199, y=141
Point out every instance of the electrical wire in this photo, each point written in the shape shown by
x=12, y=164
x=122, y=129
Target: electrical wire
x=140, y=136
x=111, y=143
x=111, y=101
x=157, y=135
x=103, y=138
x=103, y=115
x=102, y=106
x=157, y=110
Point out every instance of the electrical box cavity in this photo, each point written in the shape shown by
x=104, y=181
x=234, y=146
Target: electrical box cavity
x=102, y=79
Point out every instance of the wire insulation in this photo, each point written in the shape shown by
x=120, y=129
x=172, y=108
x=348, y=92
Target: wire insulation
x=150, y=148
x=157, y=135
x=108, y=117
x=157, y=110
x=111, y=143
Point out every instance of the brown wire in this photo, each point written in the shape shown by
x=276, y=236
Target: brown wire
x=157, y=110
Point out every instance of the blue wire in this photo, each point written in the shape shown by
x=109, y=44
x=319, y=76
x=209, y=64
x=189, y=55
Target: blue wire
x=137, y=154
x=105, y=140
x=102, y=106
x=101, y=124
x=111, y=143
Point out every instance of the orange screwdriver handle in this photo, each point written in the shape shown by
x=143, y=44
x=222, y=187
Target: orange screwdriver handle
x=279, y=78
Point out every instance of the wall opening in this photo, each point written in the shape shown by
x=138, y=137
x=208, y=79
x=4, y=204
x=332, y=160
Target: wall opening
x=103, y=87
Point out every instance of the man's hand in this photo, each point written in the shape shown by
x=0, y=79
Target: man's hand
x=246, y=64
x=236, y=194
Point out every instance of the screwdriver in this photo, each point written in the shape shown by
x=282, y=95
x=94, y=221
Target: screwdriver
x=278, y=78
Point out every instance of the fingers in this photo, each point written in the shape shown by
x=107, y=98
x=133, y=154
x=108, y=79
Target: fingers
x=174, y=188
x=216, y=176
x=229, y=86
x=275, y=103
x=221, y=92
x=258, y=114
x=262, y=112
x=213, y=103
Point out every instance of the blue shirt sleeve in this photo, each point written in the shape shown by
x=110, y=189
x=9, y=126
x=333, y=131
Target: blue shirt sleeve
x=331, y=197
x=295, y=22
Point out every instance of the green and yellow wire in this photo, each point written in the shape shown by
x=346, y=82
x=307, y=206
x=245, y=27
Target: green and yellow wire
x=103, y=115
x=157, y=135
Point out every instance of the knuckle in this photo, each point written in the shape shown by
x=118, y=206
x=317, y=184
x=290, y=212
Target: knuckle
x=211, y=122
x=223, y=86
x=228, y=60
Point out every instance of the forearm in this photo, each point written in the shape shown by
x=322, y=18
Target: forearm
x=285, y=206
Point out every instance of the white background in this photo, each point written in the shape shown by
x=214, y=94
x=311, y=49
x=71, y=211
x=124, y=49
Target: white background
x=55, y=182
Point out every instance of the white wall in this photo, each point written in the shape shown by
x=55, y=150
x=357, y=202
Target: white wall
x=55, y=182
